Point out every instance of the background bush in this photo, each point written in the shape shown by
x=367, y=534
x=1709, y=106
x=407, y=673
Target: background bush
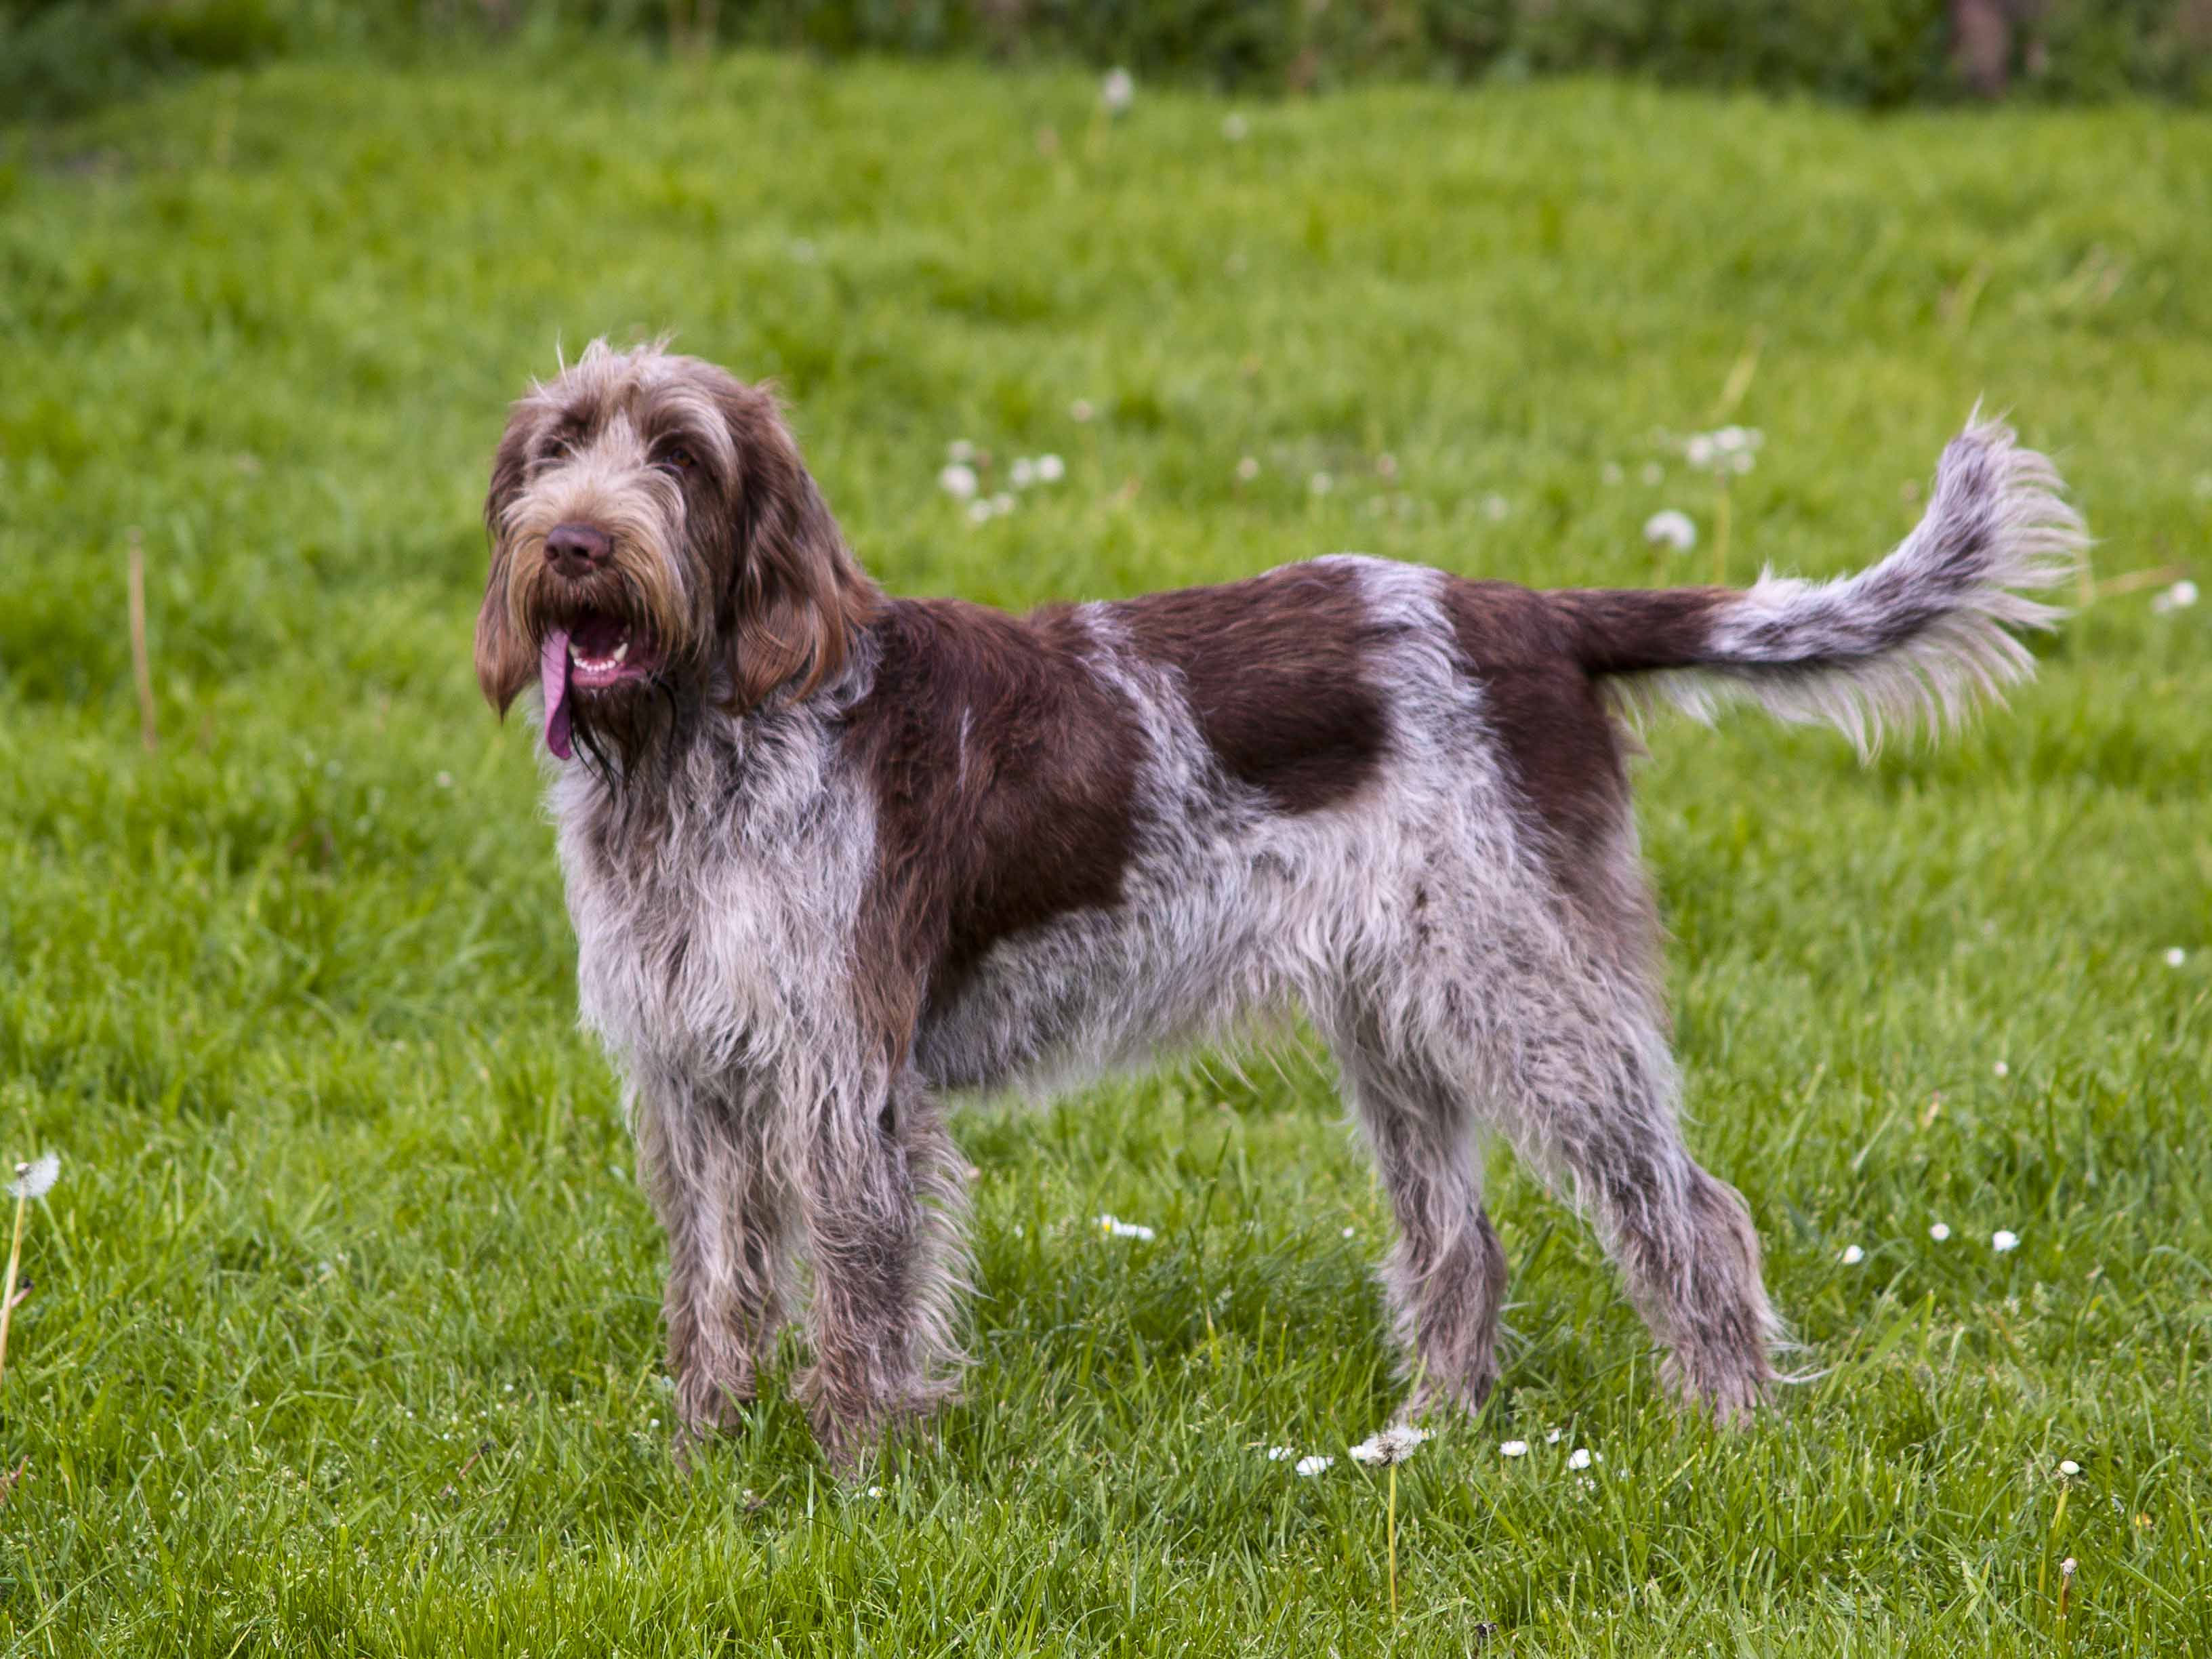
x=56, y=54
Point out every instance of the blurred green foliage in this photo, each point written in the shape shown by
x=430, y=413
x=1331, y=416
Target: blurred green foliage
x=57, y=55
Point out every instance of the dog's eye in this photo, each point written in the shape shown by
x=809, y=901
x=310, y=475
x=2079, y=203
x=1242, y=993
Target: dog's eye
x=678, y=459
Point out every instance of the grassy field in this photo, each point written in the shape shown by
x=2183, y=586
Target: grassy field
x=342, y=1336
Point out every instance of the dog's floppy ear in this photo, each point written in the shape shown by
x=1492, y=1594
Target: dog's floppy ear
x=797, y=597
x=504, y=663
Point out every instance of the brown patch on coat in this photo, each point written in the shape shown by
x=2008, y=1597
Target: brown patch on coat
x=1005, y=773
x=1540, y=660
x=1275, y=671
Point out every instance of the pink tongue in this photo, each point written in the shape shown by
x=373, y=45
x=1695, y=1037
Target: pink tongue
x=553, y=680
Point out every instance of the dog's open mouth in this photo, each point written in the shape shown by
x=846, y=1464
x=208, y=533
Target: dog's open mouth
x=590, y=654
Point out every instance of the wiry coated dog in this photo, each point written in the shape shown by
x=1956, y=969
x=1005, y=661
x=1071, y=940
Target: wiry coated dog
x=833, y=857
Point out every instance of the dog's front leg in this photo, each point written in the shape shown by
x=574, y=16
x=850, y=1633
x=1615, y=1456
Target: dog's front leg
x=707, y=1170
x=885, y=1204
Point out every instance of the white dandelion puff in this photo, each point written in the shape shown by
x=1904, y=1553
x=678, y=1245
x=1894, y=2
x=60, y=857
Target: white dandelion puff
x=1117, y=91
x=35, y=1179
x=2179, y=596
x=1392, y=1445
x=1314, y=1463
x=1050, y=469
x=979, y=512
x=1853, y=1255
x=957, y=480
x=1940, y=1231
x=1002, y=502
x=1671, y=528
x=960, y=450
x=1022, y=473
x=2003, y=1240
x=2175, y=956
x=1512, y=1448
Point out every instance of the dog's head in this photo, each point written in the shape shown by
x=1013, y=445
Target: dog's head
x=656, y=543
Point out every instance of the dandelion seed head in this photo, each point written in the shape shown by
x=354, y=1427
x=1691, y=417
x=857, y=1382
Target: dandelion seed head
x=1392, y=1445
x=1671, y=528
x=1050, y=469
x=2179, y=596
x=2067, y=1568
x=957, y=480
x=1022, y=473
x=35, y=1179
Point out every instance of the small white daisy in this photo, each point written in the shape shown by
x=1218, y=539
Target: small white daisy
x=445, y=780
x=1246, y=470
x=1580, y=1458
x=1853, y=1254
x=960, y=450
x=1113, y=1228
x=1940, y=1231
x=1700, y=449
x=2174, y=957
x=1393, y=1445
x=1552, y=1437
x=1512, y=1448
x=1671, y=528
x=2003, y=1240
x=979, y=512
x=957, y=480
x=1022, y=473
x=875, y=1491
x=1280, y=1454
x=2000, y=1070
x=1117, y=91
x=2070, y=1469
x=1050, y=469
x=1314, y=1463
x=1002, y=502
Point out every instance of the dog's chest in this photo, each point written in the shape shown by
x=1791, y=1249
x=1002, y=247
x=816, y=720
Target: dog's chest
x=711, y=939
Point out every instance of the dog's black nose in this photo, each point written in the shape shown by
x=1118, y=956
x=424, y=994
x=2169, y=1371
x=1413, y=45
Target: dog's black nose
x=576, y=550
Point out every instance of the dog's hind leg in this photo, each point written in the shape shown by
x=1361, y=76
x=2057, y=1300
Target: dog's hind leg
x=885, y=1204
x=728, y=1225
x=1445, y=1279
x=1585, y=1086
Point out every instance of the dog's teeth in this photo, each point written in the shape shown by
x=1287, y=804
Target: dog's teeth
x=621, y=651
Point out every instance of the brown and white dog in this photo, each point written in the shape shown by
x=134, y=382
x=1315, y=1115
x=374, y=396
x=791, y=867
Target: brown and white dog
x=833, y=857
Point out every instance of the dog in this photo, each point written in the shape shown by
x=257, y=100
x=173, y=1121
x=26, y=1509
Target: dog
x=835, y=859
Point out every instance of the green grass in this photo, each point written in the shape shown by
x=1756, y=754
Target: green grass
x=342, y=1337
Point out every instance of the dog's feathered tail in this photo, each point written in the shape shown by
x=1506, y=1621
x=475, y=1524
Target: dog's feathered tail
x=1920, y=639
